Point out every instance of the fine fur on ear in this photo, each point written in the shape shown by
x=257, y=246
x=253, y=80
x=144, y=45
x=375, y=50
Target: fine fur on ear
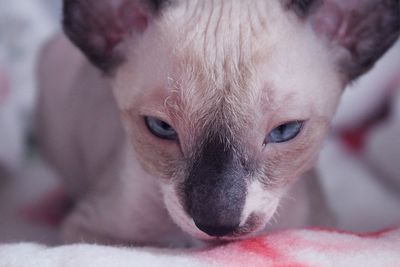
x=100, y=27
x=359, y=32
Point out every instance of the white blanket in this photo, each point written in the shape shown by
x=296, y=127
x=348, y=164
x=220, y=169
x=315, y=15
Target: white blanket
x=290, y=248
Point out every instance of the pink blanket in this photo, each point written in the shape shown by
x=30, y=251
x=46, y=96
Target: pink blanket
x=290, y=248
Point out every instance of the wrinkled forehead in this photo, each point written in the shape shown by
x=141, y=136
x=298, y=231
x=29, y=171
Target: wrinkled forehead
x=247, y=54
x=223, y=61
x=216, y=55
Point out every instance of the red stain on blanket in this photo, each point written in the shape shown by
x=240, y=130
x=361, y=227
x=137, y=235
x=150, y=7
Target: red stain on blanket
x=262, y=248
x=299, y=248
x=376, y=234
x=50, y=210
x=255, y=252
x=354, y=139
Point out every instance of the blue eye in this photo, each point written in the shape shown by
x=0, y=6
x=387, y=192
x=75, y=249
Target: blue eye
x=285, y=132
x=160, y=128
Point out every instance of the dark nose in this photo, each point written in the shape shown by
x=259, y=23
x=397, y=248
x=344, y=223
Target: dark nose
x=215, y=189
x=217, y=230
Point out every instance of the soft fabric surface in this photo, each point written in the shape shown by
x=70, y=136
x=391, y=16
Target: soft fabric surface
x=291, y=248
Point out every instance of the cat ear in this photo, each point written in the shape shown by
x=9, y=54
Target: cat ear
x=301, y=7
x=357, y=31
x=100, y=27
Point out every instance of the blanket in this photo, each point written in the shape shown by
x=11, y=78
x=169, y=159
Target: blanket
x=289, y=248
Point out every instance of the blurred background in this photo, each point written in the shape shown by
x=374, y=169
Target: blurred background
x=359, y=163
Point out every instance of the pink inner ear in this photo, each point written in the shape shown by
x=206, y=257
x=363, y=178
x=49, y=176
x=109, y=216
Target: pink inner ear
x=134, y=16
x=328, y=20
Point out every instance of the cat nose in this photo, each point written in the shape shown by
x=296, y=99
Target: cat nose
x=218, y=230
x=215, y=189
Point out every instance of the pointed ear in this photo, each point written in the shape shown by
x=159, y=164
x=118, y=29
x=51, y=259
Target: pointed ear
x=100, y=27
x=358, y=32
